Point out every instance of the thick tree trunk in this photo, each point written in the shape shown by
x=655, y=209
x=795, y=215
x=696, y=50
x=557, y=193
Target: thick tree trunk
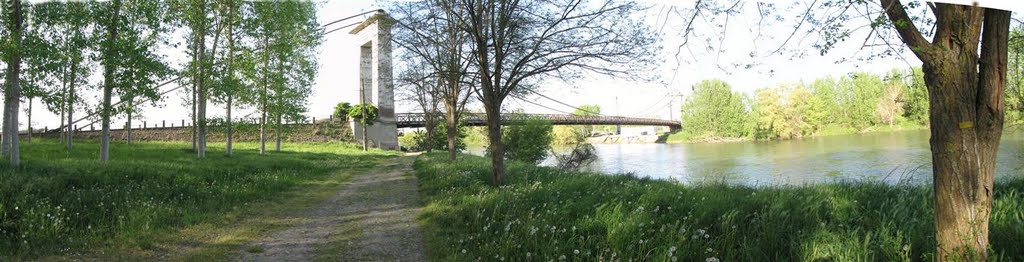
x=497, y=149
x=108, y=79
x=12, y=92
x=450, y=128
x=966, y=109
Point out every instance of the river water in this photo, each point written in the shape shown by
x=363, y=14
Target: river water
x=891, y=157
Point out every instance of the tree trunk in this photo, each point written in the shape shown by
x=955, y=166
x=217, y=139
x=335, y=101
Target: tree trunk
x=263, y=131
x=202, y=94
x=966, y=109
x=108, y=79
x=12, y=92
x=61, y=133
x=128, y=126
x=228, y=149
x=277, y=135
x=450, y=128
x=71, y=107
x=497, y=149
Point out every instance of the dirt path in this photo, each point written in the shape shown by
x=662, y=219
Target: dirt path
x=372, y=218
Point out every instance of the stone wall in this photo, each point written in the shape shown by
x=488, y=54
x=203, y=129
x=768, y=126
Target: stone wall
x=309, y=133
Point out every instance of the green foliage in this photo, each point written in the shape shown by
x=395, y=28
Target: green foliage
x=341, y=111
x=356, y=113
x=527, y=140
x=418, y=140
x=856, y=103
x=64, y=202
x=714, y=110
x=546, y=214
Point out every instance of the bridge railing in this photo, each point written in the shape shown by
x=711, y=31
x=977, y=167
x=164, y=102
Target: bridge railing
x=477, y=119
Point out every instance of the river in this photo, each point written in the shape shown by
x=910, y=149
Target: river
x=891, y=157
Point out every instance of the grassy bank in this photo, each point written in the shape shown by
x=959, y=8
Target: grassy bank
x=61, y=203
x=683, y=137
x=543, y=214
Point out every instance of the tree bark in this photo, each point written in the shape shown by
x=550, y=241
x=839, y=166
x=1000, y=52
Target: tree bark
x=450, y=128
x=128, y=126
x=966, y=110
x=497, y=149
x=277, y=135
x=263, y=132
x=12, y=92
x=108, y=79
x=202, y=95
x=228, y=149
x=71, y=106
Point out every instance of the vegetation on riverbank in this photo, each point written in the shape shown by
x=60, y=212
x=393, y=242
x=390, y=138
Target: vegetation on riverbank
x=62, y=203
x=545, y=214
x=856, y=103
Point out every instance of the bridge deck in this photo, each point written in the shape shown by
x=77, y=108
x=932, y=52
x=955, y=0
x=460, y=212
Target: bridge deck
x=477, y=119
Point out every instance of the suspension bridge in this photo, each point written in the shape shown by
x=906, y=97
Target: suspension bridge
x=376, y=86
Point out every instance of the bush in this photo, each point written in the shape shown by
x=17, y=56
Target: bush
x=341, y=111
x=527, y=140
x=418, y=140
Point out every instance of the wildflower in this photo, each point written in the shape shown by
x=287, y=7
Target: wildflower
x=906, y=247
x=576, y=251
x=463, y=251
x=711, y=259
x=562, y=257
x=673, y=258
x=672, y=249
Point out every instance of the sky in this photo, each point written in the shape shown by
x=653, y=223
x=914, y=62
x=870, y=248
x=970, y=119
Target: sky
x=337, y=80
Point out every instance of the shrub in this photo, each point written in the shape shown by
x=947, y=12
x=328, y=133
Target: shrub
x=527, y=140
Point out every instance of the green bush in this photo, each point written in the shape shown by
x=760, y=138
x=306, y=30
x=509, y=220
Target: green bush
x=356, y=113
x=341, y=111
x=527, y=140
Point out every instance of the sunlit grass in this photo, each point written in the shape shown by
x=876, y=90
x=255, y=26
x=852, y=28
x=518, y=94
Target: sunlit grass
x=543, y=214
x=63, y=203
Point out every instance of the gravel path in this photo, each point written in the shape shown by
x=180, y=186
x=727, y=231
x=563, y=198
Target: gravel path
x=372, y=218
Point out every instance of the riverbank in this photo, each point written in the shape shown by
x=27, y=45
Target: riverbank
x=544, y=214
x=681, y=137
x=154, y=200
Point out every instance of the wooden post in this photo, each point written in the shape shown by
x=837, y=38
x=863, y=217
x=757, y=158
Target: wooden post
x=144, y=126
x=91, y=128
x=163, y=123
x=183, y=122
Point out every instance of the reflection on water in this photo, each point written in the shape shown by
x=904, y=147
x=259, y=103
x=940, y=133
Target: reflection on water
x=890, y=157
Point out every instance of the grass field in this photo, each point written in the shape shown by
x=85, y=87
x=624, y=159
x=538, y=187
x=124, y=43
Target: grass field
x=60, y=203
x=543, y=214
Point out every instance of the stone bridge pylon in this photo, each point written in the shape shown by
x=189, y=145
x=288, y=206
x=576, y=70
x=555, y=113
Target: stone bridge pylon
x=376, y=85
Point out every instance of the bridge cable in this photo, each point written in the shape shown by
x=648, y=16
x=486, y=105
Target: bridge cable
x=560, y=102
x=536, y=104
x=652, y=106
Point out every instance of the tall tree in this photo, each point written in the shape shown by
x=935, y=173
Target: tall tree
x=15, y=26
x=514, y=43
x=430, y=33
x=964, y=66
x=965, y=70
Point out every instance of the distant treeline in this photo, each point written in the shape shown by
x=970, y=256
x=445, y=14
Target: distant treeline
x=852, y=103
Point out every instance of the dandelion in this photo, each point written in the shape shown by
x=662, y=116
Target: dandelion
x=463, y=251
x=906, y=247
x=709, y=250
x=562, y=257
x=674, y=258
x=711, y=259
x=576, y=251
x=672, y=249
